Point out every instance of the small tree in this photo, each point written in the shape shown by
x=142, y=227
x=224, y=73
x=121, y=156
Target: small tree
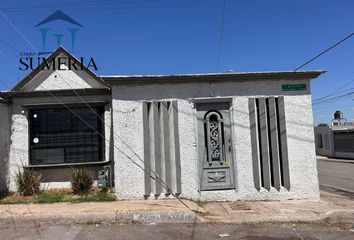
x=81, y=180
x=28, y=181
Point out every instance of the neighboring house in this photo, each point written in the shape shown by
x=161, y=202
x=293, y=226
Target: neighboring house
x=224, y=136
x=335, y=141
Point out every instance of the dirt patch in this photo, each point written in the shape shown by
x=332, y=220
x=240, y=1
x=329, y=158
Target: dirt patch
x=240, y=206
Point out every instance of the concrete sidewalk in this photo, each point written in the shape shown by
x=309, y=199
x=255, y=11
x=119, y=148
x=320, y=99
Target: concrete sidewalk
x=332, y=208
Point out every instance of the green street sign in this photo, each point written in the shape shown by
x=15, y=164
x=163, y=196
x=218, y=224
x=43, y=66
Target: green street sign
x=293, y=87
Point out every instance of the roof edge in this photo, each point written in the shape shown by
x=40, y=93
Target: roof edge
x=58, y=93
x=212, y=77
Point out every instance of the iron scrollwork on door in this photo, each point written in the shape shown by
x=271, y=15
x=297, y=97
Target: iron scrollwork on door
x=214, y=146
x=214, y=137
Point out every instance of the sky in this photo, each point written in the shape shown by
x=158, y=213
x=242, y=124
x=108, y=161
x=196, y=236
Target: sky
x=185, y=36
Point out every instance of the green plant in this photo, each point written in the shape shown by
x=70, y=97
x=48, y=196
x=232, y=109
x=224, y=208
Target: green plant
x=28, y=181
x=81, y=180
x=97, y=197
x=46, y=197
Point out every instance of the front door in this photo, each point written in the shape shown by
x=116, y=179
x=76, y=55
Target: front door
x=215, y=146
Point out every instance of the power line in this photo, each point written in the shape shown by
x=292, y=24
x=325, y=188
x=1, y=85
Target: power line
x=84, y=7
x=17, y=30
x=331, y=95
x=336, y=91
x=334, y=98
x=221, y=41
x=9, y=45
x=155, y=177
x=72, y=3
x=325, y=51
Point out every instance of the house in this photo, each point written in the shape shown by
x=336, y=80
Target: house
x=224, y=136
x=335, y=140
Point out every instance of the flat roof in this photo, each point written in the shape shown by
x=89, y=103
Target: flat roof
x=211, y=77
x=343, y=128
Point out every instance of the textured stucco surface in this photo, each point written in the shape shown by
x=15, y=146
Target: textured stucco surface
x=52, y=80
x=124, y=116
x=19, y=152
x=4, y=144
x=128, y=124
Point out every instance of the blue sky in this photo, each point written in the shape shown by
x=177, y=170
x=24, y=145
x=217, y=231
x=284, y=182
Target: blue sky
x=183, y=36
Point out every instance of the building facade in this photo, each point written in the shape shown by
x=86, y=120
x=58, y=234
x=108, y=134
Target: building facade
x=231, y=136
x=335, y=141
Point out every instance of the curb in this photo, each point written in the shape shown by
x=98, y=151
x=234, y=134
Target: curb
x=336, y=160
x=109, y=217
x=332, y=216
x=337, y=188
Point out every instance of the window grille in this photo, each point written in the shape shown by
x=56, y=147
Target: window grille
x=57, y=136
x=213, y=124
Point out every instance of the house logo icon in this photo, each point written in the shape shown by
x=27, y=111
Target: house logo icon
x=60, y=34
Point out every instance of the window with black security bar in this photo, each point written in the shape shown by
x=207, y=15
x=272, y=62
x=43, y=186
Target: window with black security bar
x=58, y=136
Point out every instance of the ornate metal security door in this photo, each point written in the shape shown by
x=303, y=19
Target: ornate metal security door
x=215, y=146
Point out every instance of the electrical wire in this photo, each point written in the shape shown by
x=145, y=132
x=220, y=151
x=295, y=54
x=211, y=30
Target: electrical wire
x=155, y=176
x=325, y=51
x=17, y=30
x=336, y=91
x=85, y=7
x=334, y=98
x=221, y=41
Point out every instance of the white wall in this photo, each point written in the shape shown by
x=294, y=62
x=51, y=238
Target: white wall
x=128, y=124
x=19, y=147
x=323, y=130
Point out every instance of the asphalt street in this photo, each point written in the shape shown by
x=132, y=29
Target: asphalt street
x=51, y=231
x=336, y=174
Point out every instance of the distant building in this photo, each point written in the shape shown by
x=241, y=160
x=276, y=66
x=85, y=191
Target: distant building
x=221, y=136
x=336, y=139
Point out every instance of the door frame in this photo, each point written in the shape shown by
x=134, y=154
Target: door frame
x=230, y=101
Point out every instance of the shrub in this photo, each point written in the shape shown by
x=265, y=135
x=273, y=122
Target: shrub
x=81, y=180
x=28, y=181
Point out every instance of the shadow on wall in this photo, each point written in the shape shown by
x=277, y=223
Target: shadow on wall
x=62, y=174
x=4, y=171
x=4, y=145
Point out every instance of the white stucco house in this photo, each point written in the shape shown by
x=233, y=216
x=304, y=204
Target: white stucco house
x=224, y=136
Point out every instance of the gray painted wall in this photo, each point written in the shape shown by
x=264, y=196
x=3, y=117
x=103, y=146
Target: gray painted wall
x=4, y=144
